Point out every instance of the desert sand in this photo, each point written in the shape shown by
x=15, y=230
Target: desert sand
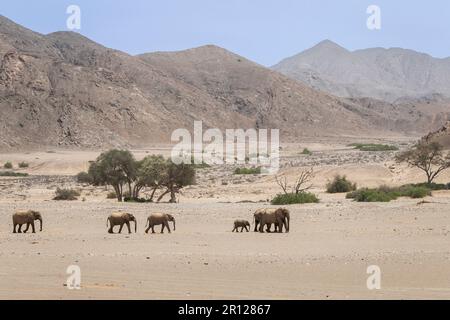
x=325, y=256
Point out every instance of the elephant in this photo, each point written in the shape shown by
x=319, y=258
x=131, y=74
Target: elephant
x=26, y=217
x=243, y=224
x=257, y=220
x=159, y=219
x=119, y=219
x=280, y=217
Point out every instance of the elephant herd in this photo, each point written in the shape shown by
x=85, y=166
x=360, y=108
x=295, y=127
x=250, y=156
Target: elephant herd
x=262, y=218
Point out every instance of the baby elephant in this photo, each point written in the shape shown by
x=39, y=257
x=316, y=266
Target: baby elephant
x=120, y=219
x=160, y=219
x=243, y=224
x=26, y=217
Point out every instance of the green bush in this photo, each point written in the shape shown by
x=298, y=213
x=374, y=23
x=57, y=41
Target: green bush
x=8, y=165
x=433, y=186
x=373, y=147
x=84, y=177
x=306, y=152
x=372, y=195
x=136, y=200
x=295, y=198
x=387, y=194
x=247, y=171
x=23, y=165
x=12, y=174
x=66, y=194
x=340, y=184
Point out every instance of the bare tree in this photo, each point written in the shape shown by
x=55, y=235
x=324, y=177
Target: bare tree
x=428, y=157
x=302, y=183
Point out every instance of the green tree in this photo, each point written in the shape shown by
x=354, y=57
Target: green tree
x=176, y=177
x=428, y=157
x=150, y=174
x=116, y=168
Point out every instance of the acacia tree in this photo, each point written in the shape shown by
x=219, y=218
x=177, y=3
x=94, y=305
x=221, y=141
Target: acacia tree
x=302, y=183
x=175, y=177
x=151, y=174
x=428, y=157
x=115, y=168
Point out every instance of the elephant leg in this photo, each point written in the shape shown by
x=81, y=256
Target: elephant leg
x=153, y=229
x=235, y=228
x=166, y=224
x=246, y=229
x=20, y=228
x=261, y=227
x=256, y=226
x=242, y=229
x=148, y=229
x=111, y=229
x=26, y=229
x=269, y=228
x=32, y=227
x=128, y=226
x=14, y=228
x=121, y=227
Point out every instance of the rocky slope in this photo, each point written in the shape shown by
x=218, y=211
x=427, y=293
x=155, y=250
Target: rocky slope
x=65, y=90
x=385, y=74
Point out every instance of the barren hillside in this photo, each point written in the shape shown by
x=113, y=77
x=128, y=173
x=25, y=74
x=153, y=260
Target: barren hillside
x=65, y=90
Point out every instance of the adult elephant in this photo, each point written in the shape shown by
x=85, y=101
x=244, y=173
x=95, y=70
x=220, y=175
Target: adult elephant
x=26, y=217
x=159, y=219
x=279, y=217
x=257, y=217
x=121, y=219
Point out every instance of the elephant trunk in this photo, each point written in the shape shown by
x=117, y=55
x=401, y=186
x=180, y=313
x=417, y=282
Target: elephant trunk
x=40, y=220
x=174, y=225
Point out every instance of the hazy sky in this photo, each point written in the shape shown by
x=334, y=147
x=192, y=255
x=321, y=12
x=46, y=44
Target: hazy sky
x=265, y=31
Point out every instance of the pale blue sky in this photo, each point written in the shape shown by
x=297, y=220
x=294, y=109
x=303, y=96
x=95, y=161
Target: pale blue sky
x=265, y=31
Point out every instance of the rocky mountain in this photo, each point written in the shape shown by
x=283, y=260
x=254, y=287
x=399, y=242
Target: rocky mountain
x=65, y=90
x=384, y=74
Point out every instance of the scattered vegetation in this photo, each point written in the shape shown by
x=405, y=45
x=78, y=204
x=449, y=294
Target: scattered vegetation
x=373, y=147
x=340, y=184
x=23, y=165
x=129, y=177
x=8, y=165
x=294, y=198
x=428, y=157
x=298, y=193
x=248, y=170
x=12, y=174
x=387, y=194
x=66, y=194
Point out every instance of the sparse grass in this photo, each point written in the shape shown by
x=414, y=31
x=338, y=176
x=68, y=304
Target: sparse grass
x=23, y=165
x=340, y=184
x=66, y=194
x=247, y=171
x=373, y=147
x=12, y=174
x=293, y=198
x=387, y=194
x=8, y=165
x=307, y=152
